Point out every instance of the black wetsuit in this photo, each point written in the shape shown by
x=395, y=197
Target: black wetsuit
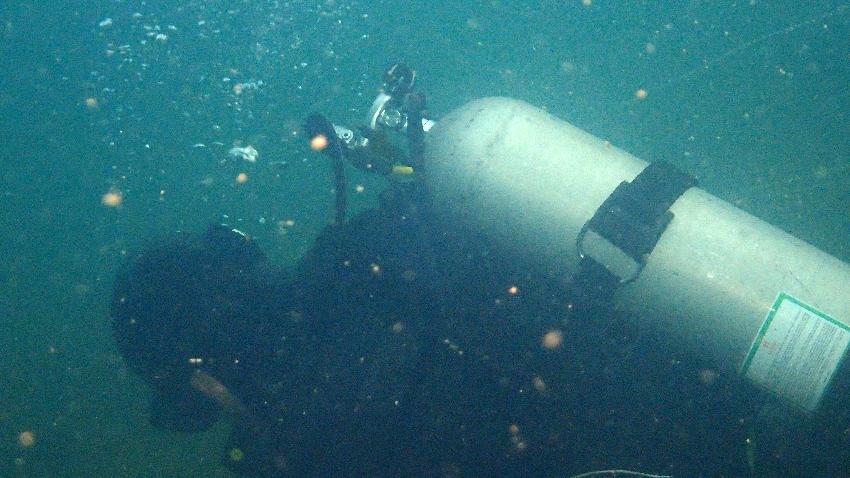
x=386, y=355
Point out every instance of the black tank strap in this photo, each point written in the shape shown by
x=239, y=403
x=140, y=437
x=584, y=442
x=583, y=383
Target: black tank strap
x=631, y=219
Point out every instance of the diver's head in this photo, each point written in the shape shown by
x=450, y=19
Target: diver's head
x=176, y=308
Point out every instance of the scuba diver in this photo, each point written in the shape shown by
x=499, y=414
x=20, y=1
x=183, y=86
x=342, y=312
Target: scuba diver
x=369, y=360
x=399, y=346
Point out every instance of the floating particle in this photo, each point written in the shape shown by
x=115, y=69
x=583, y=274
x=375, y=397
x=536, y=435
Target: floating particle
x=112, y=198
x=236, y=455
x=409, y=275
x=82, y=289
x=319, y=142
x=553, y=339
x=641, y=94
x=538, y=383
x=92, y=103
x=708, y=376
x=26, y=439
x=248, y=153
x=106, y=22
x=513, y=290
x=241, y=178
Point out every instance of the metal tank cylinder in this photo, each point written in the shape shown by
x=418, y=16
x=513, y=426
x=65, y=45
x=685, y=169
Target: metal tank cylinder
x=726, y=284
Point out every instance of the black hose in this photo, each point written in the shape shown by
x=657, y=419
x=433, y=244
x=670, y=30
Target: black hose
x=317, y=125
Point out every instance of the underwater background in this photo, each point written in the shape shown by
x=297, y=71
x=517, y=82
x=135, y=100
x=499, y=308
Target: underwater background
x=116, y=118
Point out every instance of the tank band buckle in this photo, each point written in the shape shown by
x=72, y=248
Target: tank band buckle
x=613, y=246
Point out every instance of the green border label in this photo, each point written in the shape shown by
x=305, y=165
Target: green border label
x=796, y=352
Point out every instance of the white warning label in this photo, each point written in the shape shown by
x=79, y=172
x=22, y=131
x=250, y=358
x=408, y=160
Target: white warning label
x=796, y=352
